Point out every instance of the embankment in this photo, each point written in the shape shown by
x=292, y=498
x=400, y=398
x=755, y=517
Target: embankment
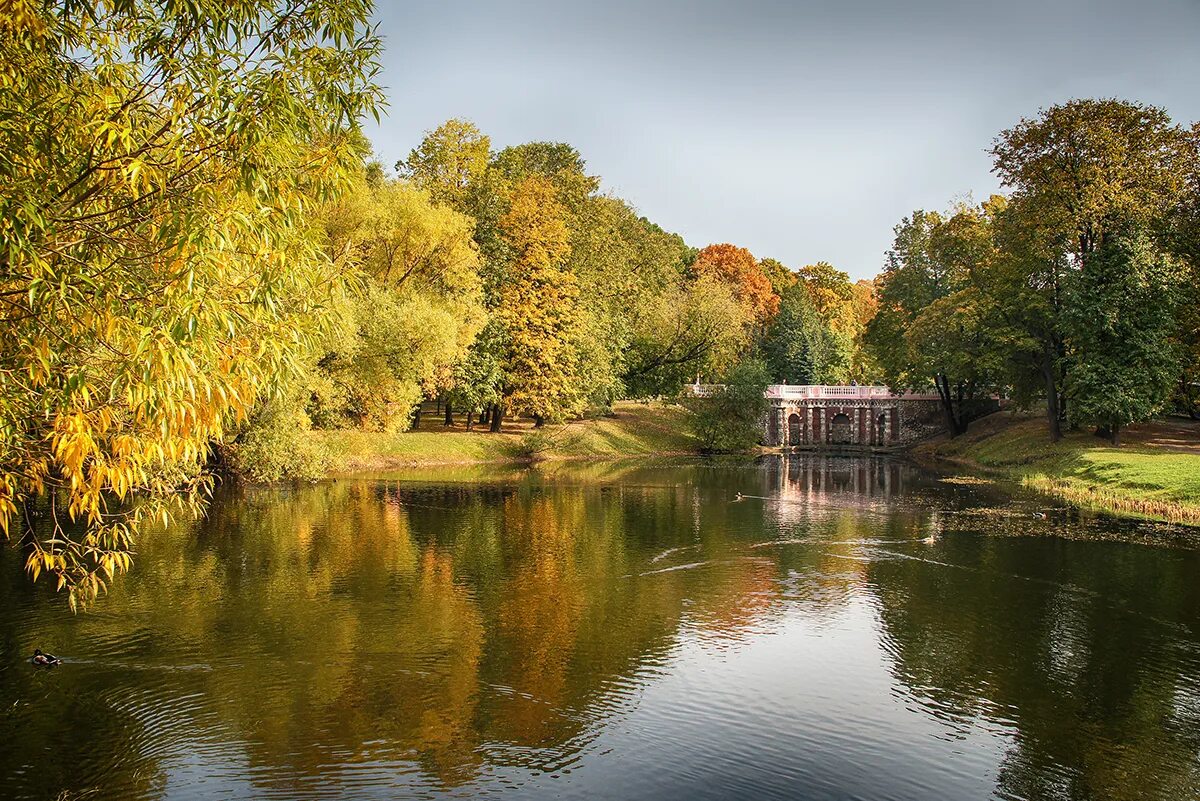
x=1154, y=473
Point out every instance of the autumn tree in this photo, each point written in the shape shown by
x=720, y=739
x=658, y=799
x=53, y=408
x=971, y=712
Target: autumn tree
x=539, y=307
x=864, y=303
x=738, y=268
x=448, y=161
x=159, y=273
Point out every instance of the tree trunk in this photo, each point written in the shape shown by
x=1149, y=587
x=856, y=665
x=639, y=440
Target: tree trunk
x=1052, y=403
x=470, y=414
x=485, y=415
x=538, y=421
x=1115, y=438
x=449, y=421
x=497, y=417
x=1189, y=401
x=954, y=424
x=417, y=418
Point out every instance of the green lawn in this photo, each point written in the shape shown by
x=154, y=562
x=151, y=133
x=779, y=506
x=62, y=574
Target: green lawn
x=634, y=430
x=1156, y=473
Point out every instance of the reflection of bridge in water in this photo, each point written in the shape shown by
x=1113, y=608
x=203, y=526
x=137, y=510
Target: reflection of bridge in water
x=815, y=477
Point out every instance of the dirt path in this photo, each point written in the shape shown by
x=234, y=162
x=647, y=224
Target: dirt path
x=1172, y=434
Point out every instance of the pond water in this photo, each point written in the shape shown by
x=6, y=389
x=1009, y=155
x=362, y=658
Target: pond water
x=847, y=629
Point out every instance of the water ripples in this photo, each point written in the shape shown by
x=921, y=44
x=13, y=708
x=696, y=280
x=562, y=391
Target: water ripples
x=852, y=633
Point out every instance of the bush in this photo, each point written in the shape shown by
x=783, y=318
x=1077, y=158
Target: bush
x=535, y=445
x=274, y=446
x=730, y=419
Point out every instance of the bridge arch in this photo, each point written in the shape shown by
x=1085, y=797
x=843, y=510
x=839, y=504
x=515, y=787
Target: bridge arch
x=841, y=432
x=795, y=429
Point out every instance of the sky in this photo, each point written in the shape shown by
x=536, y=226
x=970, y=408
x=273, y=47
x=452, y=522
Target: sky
x=803, y=131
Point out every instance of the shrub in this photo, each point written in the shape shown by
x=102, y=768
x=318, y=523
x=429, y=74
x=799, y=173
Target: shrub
x=274, y=445
x=729, y=419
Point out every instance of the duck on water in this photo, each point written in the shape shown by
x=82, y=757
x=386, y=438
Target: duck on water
x=44, y=660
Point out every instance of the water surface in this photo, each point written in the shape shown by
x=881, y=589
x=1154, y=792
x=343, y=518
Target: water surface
x=848, y=629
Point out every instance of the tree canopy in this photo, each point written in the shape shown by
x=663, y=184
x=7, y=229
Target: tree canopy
x=159, y=263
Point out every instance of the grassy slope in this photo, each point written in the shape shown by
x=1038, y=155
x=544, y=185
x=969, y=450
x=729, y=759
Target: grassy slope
x=634, y=430
x=1156, y=473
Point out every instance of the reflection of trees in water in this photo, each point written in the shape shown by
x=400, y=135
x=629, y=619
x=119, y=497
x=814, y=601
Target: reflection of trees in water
x=381, y=621
x=353, y=624
x=1101, y=704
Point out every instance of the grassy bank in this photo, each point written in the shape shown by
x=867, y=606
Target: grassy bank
x=633, y=430
x=1154, y=473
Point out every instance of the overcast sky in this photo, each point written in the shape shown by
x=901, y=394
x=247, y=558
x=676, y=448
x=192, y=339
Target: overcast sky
x=802, y=131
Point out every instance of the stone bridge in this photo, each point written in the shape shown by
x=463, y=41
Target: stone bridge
x=826, y=416
x=847, y=416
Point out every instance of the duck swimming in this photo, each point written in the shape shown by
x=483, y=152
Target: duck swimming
x=44, y=660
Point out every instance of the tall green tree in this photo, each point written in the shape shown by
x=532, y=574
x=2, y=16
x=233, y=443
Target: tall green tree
x=449, y=161
x=799, y=347
x=931, y=326
x=1121, y=326
x=1082, y=172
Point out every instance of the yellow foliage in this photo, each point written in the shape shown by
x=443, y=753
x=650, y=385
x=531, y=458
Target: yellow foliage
x=159, y=273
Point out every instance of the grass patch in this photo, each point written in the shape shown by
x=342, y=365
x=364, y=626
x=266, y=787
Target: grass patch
x=1140, y=478
x=635, y=429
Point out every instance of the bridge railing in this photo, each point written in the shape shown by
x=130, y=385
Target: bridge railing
x=799, y=392
x=839, y=392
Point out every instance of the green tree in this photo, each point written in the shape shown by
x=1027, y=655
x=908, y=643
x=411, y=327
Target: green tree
x=416, y=309
x=729, y=419
x=931, y=326
x=780, y=276
x=687, y=330
x=449, y=161
x=1121, y=325
x=1081, y=172
x=799, y=347
x=159, y=273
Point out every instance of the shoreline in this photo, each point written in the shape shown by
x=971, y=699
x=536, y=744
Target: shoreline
x=1154, y=475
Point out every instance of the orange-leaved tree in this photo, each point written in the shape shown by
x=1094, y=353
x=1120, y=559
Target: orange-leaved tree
x=738, y=268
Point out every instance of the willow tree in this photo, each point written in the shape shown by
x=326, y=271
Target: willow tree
x=418, y=306
x=157, y=273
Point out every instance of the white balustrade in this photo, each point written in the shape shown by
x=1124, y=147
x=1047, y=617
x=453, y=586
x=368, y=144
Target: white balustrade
x=799, y=392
